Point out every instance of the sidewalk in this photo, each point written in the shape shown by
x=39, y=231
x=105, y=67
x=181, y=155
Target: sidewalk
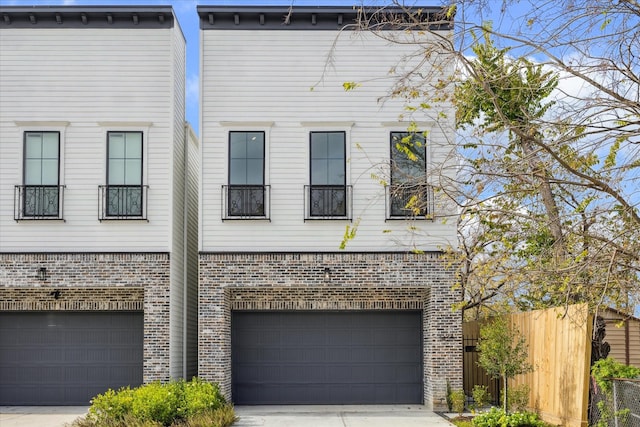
x=39, y=416
x=253, y=416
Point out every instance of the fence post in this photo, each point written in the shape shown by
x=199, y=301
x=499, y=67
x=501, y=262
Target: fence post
x=615, y=403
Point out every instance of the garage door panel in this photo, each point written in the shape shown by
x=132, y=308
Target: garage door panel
x=326, y=357
x=66, y=358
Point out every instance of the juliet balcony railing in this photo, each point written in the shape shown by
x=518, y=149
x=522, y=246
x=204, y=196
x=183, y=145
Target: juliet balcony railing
x=409, y=200
x=37, y=202
x=122, y=202
x=327, y=202
x=246, y=202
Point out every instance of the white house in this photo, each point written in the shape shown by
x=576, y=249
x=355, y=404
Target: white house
x=290, y=161
x=98, y=202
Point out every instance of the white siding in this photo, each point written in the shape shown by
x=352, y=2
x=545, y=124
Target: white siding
x=177, y=202
x=192, y=254
x=262, y=80
x=96, y=80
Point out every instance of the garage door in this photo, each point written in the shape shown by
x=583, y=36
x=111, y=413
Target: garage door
x=62, y=358
x=326, y=357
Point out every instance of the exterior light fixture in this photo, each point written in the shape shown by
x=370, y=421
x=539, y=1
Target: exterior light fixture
x=42, y=273
x=55, y=294
x=327, y=274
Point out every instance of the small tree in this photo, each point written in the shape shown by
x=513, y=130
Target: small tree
x=503, y=352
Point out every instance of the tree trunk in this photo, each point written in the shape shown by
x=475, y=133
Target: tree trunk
x=541, y=173
x=504, y=394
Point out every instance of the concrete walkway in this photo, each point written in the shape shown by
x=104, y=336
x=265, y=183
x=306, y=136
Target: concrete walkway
x=253, y=416
x=338, y=416
x=39, y=416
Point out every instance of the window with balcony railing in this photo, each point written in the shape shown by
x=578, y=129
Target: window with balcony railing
x=245, y=201
x=409, y=195
x=328, y=196
x=40, y=196
x=122, y=202
x=328, y=202
x=38, y=202
x=124, y=196
x=415, y=201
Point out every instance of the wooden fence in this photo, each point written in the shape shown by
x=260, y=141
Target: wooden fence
x=559, y=341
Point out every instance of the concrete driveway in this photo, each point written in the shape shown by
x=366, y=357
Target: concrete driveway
x=252, y=416
x=43, y=416
x=338, y=416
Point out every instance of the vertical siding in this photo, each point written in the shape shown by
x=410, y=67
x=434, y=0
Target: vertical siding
x=96, y=80
x=192, y=254
x=623, y=335
x=177, y=203
x=251, y=78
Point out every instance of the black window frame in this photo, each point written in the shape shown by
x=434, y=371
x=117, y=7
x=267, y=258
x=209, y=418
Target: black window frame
x=32, y=198
x=400, y=191
x=333, y=200
x=126, y=192
x=245, y=200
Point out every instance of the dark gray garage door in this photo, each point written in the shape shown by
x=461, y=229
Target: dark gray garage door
x=326, y=357
x=63, y=358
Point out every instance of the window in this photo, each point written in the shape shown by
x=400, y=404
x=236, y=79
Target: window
x=124, y=195
x=246, y=194
x=327, y=193
x=39, y=197
x=408, y=194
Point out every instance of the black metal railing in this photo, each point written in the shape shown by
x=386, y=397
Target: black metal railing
x=38, y=202
x=245, y=201
x=122, y=202
x=410, y=200
x=327, y=202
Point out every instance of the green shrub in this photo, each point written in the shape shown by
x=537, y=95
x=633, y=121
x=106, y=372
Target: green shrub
x=449, y=391
x=605, y=369
x=498, y=418
x=481, y=395
x=111, y=405
x=157, y=402
x=223, y=416
x=517, y=397
x=156, y=405
x=199, y=396
x=457, y=401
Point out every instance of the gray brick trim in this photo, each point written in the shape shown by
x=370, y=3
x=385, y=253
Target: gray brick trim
x=96, y=281
x=358, y=281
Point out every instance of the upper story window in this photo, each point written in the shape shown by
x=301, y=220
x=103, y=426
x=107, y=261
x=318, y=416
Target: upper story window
x=328, y=195
x=124, y=196
x=246, y=196
x=40, y=196
x=409, y=194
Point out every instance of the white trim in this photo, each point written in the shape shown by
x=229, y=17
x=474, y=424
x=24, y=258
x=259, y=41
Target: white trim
x=405, y=125
x=127, y=125
x=249, y=124
x=320, y=124
x=21, y=123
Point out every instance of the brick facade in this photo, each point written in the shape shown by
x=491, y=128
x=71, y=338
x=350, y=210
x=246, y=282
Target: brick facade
x=357, y=281
x=96, y=281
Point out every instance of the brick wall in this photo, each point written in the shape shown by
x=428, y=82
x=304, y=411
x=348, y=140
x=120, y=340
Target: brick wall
x=96, y=281
x=357, y=281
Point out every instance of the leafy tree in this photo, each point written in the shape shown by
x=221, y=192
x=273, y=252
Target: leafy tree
x=548, y=117
x=503, y=353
